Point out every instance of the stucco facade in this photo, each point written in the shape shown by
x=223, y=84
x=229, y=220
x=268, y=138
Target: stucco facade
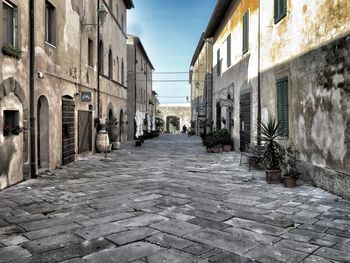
x=201, y=86
x=140, y=81
x=65, y=56
x=310, y=47
x=294, y=66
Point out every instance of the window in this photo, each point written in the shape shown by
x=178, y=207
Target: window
x=282, y=106
x=218, y=62
x=123, y=22
x=9, y=23
x=11, y=122
x=100, y=57
x=280, y=10
x=90, y=53
x=111, y=5
x=246, y=32
x=117, y=69
x=122, y=72
x=50, y=23
x=110, y=64
x=229, y=50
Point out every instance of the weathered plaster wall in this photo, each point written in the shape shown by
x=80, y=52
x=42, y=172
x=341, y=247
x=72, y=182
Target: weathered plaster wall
x=183, y=112
x=308, y=25
x=14, y=94
x=139, y=82
x=317, y=64
x=241, y=75
x=11, y=147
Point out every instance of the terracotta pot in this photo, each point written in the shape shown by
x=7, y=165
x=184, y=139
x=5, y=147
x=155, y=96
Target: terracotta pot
x=227, y=148
x=209, y=150
x=289, y=181
x=102, y=142
x=216, y=149
x=273, y=176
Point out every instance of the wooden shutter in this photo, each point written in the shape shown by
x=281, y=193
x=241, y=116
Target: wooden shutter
x=246, y=32
x=229, y=50
x=282, y=106
x=8, y=27
x=218, y=64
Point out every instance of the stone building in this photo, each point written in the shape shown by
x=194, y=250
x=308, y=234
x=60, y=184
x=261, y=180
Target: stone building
x=290, y=61
x=67, y=77
x=140, y=80
x=180, y=112
x=201, y=86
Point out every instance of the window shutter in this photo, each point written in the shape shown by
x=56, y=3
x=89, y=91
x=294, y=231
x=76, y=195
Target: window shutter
x=218, y=64
x=276, y=9
x=282, y=106
x=229, y=50
x=246, y=32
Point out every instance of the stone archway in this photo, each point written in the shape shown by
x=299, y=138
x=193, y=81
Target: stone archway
x=13, y=147
x=43, y=124
x=172, y=124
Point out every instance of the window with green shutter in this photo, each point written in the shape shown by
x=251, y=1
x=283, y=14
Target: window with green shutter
x=218, y=62
x=229, y=50
x=246, y=32
x=280, y=10
x=282, y=106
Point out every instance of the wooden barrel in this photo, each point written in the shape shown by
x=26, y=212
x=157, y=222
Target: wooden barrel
x=102, y=142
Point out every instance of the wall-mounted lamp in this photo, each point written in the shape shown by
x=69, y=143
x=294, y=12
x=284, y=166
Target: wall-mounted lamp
x=101, y=14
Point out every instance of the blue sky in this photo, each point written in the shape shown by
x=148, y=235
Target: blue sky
x=169, y=31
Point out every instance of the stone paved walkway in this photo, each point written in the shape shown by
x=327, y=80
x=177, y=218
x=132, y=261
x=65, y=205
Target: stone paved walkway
x=169, y=201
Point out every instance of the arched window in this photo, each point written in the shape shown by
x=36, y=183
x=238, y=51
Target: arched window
x=122, y=72
x=100, y=57
x=118, y=69
x=110, y=64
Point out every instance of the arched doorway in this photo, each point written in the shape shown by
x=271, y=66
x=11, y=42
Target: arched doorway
x=121, y=125
x=68, y=130
x=43, y=133
x=172, y=124
x=110, y=114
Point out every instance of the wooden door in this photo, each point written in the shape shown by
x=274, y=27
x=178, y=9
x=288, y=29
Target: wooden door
x=245, y=123
x=68, y=133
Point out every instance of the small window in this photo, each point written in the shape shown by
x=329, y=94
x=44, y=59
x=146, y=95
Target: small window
x=280, y=10
x=110, y=64
x=282, y=106
x=50, y=23
x=111, y=5
x=229, y=50
x=118, y=69
x=9, y=23
x=218, y=62
x=100, y=57
x=11, y=122
x=246, y=32
x=90, y=53
x=122, y=72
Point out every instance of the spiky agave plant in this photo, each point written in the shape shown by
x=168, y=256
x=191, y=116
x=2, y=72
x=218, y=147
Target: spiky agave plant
x=273, y=151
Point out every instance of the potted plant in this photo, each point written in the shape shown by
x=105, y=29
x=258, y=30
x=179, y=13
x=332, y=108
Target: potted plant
x=290, y=170
x=211, y=143
x=12, y=51
x=273, y=152
x=112, y=130
x=224, y=138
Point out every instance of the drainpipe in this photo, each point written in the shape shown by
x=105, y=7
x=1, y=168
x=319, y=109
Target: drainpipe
x=135, y=95
x=259, y=78
x=98, y=64
x=33, y=171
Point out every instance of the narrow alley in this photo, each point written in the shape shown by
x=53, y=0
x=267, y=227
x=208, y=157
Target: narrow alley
x=181, y=205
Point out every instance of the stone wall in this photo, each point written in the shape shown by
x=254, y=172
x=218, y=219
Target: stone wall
x=182, y=111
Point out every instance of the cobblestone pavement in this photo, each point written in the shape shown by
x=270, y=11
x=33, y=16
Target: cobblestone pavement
x=169, y=201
